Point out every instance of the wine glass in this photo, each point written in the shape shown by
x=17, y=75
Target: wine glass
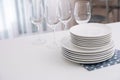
x=37, y=16
x=82, y=11
x=65, y=12
x=51, y=15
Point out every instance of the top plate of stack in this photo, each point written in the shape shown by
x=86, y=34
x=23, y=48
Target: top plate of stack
x=92, y=31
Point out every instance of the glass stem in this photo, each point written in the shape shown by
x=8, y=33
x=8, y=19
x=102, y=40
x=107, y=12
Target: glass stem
x=54, y=38
x=66, y=27
x=38, y=27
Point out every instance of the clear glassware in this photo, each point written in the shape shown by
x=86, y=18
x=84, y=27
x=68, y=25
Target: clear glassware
x=37, y=16
x=51, y=15
x=65, y=12
x=82, y=11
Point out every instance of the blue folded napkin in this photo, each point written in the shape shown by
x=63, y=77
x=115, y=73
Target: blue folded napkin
x=112, y=61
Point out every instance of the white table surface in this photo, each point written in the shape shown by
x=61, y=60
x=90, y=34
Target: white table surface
x=22, y=59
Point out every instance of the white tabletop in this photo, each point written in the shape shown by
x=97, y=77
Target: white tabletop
x=22, y=59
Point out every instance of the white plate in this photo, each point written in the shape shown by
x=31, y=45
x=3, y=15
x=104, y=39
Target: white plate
x=87, y=62
x=84, y=37
x=66, y=43
x=86, y=54
x=81, y=59
x=90, y=42
x=88, y=58
x=90, y=30
x=97, y=39
x=94, y=39
x=90, y=45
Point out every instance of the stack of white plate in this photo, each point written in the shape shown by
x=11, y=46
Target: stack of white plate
x=88, y=44
x=92, y=35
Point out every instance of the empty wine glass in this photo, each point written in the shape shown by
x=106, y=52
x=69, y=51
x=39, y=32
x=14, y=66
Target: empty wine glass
x=82, y=11
x=37, y=16
x=51, y=15
x=65, y=12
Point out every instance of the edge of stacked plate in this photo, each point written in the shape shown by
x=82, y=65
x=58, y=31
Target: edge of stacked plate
x=88, y=43
x=90, y=35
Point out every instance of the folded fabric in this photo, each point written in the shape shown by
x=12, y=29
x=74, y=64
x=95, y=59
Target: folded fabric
x=112, y=61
